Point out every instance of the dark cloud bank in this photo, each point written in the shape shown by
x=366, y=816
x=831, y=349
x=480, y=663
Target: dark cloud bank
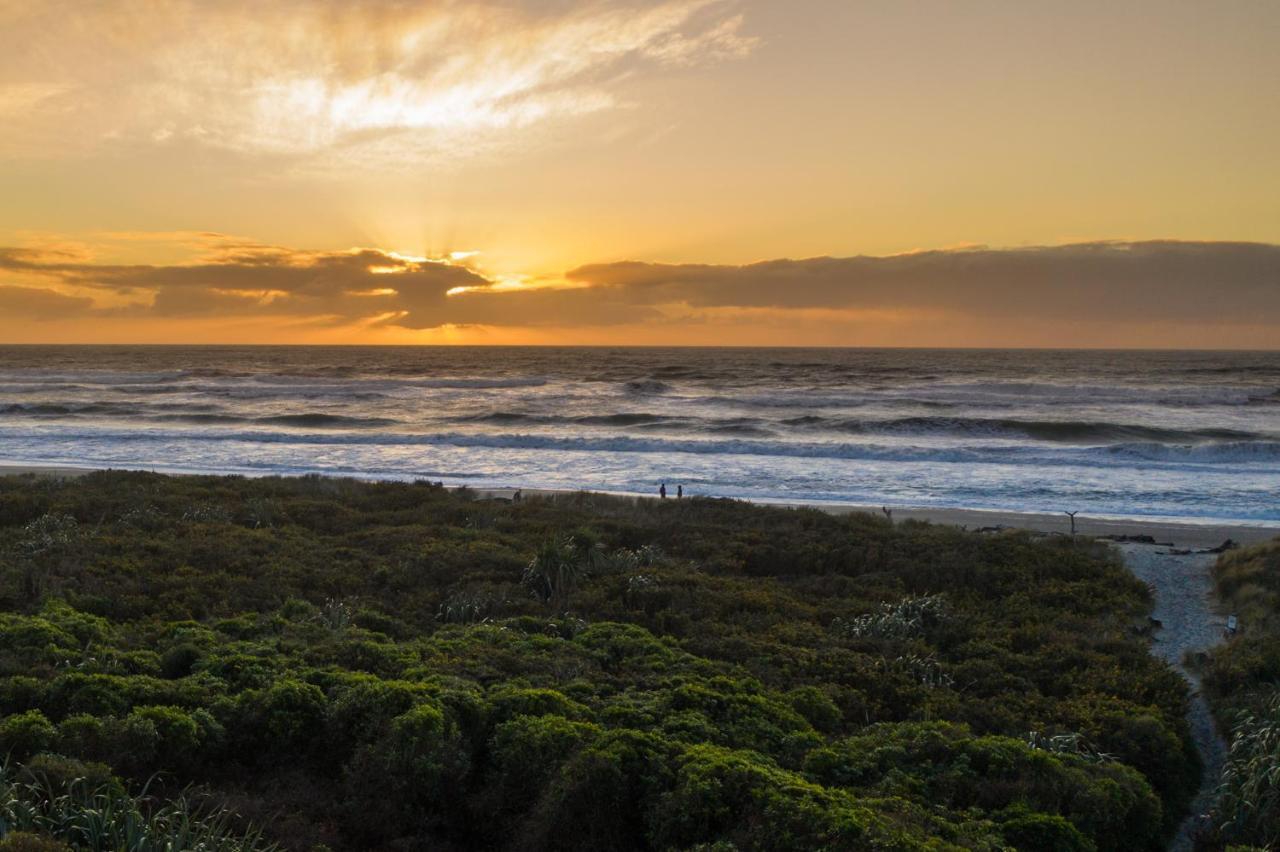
x=1164, y=281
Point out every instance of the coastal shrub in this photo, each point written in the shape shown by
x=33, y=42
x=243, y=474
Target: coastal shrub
x=739, y=797
x=54, y=771
x=509, y=702
x=286, y=718
x=358, y=665
x=22, y=841
x=25, y=734
x=527, y=750
x=1023, y=829
x=178, y=736
x=361, y=711
x=816, y=707
x=409, y=780
x=179, y=661
x=603, y=795
x=19, y=693
x=944, y=764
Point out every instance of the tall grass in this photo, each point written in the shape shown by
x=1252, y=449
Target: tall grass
x=1249, y=797
x=101, y=818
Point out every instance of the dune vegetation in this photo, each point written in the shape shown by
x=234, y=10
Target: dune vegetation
x=319, y=663
x=1242, y=683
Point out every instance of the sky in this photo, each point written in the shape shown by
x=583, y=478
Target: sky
x=742, y=172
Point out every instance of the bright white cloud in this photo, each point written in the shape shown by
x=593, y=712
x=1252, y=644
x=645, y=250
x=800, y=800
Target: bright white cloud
x=315, y=79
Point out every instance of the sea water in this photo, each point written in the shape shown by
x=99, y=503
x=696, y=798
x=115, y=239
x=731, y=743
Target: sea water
x=1185, y=435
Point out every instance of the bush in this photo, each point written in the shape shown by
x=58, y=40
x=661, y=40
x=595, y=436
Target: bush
x=739, y=797
x=21, y=841
x=179, y=661
x=357, y=665
x=1042, y=833
x=57, y=772
x=178, y=735
x=286, y=718
x=25, y=734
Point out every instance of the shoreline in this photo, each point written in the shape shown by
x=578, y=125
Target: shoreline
x=1180, y=534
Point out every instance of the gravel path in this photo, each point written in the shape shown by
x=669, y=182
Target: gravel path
x=1185, y=605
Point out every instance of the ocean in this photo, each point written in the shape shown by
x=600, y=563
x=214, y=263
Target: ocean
x=1170, y=435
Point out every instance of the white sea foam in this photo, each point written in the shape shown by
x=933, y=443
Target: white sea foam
x=1175, y=434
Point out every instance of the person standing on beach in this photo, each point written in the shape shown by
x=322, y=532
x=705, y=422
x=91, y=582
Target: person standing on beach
x=662, y=491
x=679, y=491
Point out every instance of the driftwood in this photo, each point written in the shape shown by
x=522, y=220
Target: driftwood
x=1137, y=539
x=1222, y=548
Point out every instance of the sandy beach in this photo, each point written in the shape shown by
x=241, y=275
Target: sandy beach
x=1175, y=533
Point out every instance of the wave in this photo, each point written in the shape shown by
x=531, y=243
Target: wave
x=304, y=421
x=56, y=378
x=994, y=395
x=84, y=409
x=1052, y=431
x=480, y=384
x=1057, y=431
x=1078, y=432
x=1251, y=453
x=1223, y=453
x=194, y=414
x=646, y=386
x=294, y=421
x=623, y=420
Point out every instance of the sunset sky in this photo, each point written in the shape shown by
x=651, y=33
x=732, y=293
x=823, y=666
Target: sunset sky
x=831, y=172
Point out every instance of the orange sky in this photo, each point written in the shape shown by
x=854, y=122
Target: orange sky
x=340, y=171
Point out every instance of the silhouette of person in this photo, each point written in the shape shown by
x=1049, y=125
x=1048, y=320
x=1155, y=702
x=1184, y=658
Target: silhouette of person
x=515, y=498
x=679, y=491
x=662, y=491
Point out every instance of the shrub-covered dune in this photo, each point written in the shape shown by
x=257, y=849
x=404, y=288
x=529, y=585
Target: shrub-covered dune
x=396, y=666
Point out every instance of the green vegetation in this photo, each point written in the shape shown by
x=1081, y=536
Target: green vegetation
x=398, y=667
x=1242, y=683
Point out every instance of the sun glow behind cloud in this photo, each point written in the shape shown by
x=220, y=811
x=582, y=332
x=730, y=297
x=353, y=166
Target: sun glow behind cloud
x=1086, y=288
x=344, y=81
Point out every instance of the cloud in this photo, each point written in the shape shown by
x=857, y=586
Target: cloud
x=1155, y=280
x=39, y=303
x=332, y=78
x=236, y=278
x=1074, y=286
